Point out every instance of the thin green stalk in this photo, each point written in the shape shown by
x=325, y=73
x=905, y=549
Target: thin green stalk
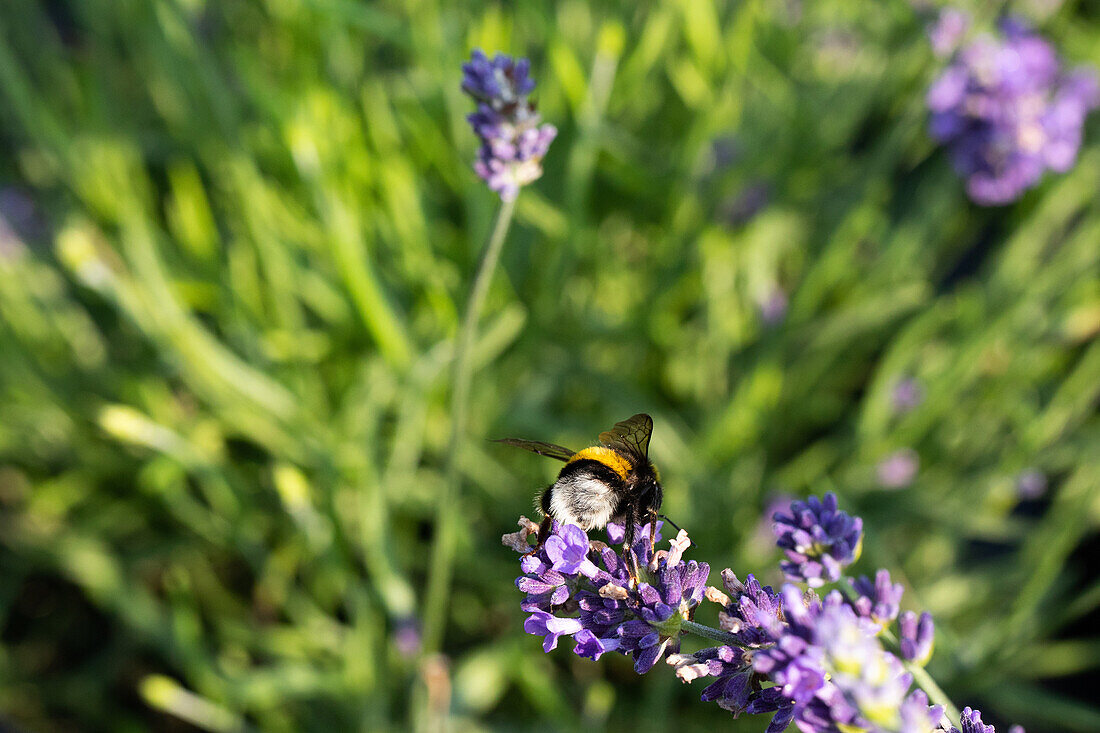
x=713, y=634
x=447, y=506
x=935, y=692
x=923, y=679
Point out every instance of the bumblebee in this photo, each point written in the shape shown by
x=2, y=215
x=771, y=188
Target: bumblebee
x=611, y=482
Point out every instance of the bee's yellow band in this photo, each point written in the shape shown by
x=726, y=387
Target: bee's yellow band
x=606, y=456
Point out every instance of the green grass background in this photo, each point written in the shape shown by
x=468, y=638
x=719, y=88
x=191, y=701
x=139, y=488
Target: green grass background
x=224, y=350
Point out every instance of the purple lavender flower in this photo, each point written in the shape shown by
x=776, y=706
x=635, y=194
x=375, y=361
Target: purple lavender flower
x=917, y=716
x=586, y=590
x=1008, y=112
x=736, y=687
x=948, y=30
x=552, y=627
x=897, y=470
x=878, y=599
x=568, y=552
x=752, y=612
x=831, y=665
x=593, y=647
x=1031, y=484
x=773, y=306
x=818, y=540
x=916, y=637
x=406, y=637
x=513, y=143
x=971, y=722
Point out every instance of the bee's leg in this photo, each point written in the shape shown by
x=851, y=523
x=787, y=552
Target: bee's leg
x=544, y=532
x=629, y=557
x=653, y=531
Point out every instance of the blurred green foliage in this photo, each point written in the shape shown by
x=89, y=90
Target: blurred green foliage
x=225, y=333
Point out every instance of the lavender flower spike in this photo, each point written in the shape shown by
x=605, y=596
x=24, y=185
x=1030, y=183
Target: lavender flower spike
x=818, y=539
x=971, y=722
x=916, y=637
x=513, y=143
x=1008, y=112
x=878, y=599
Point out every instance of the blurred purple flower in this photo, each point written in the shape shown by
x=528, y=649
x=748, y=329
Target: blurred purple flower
x=513, y=143
x=898, y=469
x=1008, y=112
x=818, y=540
x=947, y=32
x=740, y=209
x=916, y=637
x=831, y=665
x=773, y=306
x=878, y=599
x=406, y=637
x=907, y=395
x=19, y=221
x=1031, y=484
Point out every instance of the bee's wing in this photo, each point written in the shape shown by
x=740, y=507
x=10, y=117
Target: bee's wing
x=537, y=446
x=630, y=435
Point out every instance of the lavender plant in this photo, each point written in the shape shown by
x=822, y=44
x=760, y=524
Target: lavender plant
x=1007, y=109
x=843, y=659
x=513, y=144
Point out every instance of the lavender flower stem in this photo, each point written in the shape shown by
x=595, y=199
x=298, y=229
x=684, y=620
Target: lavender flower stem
x=713, y=634
x=447, y=508
x=935, y=693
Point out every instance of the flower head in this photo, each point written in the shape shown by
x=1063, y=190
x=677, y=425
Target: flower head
x=818, y=540
x=752, y=612
x=1008, y=112
x=897, y=470
x=829, y=662
x=948, y=30
x=878, y=599
x=575, y=587
x=513, y=142
x=1031, y=484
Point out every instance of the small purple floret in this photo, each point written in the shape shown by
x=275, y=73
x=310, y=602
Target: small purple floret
x=544, y=624
x=916, y=636
x=568, y=552
x=971, y=722
x=818, y=540
x=878, y=599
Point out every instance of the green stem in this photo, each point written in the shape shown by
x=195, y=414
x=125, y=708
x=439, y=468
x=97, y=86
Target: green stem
x=922, y=679
x=441, y=566
x=935, y=693
x=713, y=634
